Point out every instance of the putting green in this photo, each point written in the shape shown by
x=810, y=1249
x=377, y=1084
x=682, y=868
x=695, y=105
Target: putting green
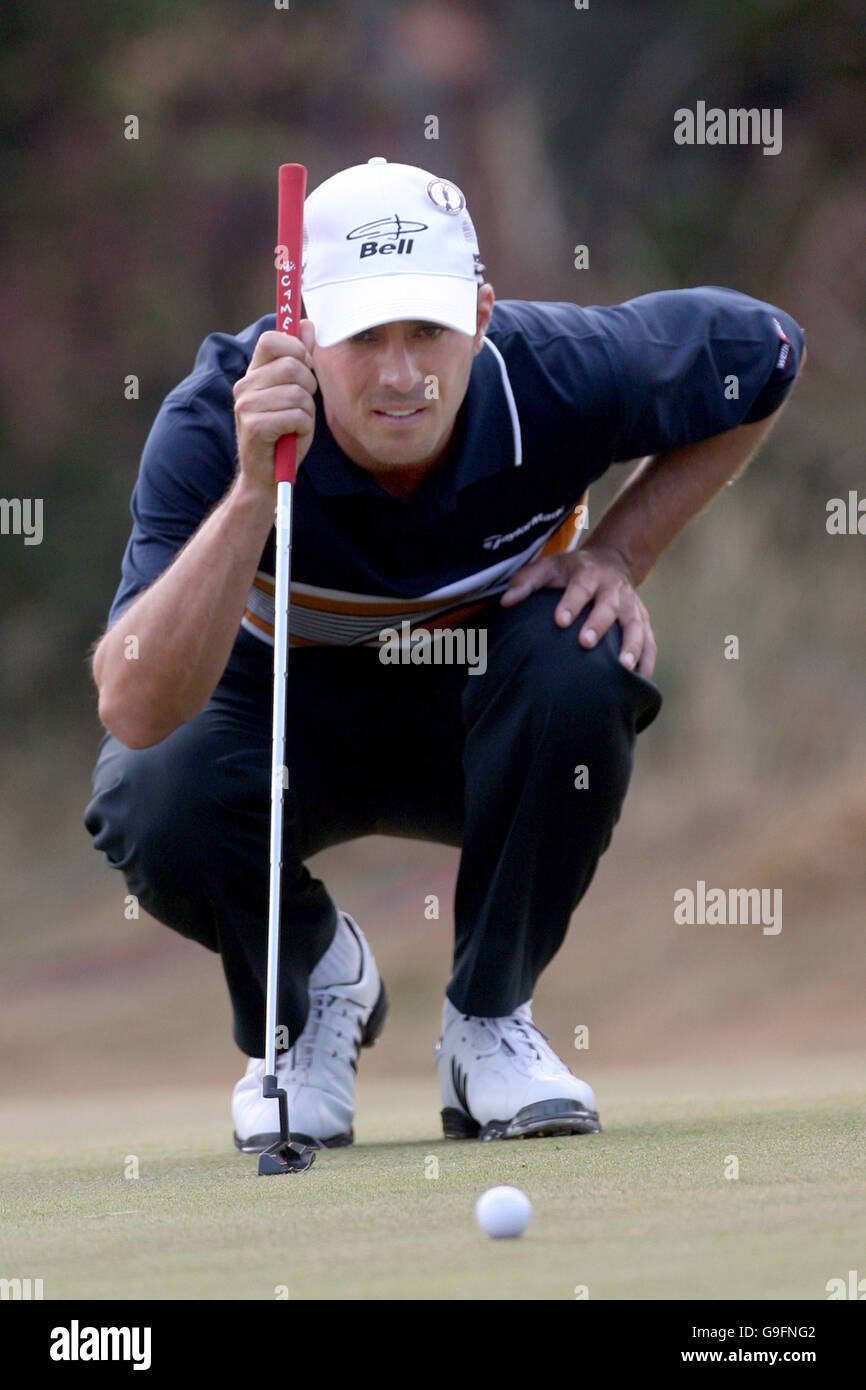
x=644, y=1210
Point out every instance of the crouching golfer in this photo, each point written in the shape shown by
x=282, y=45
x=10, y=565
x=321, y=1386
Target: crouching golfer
x=447, y=444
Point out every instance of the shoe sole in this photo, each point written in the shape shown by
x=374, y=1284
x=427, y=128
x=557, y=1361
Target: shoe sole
x=257, y=1143
x=546, y=1119
x=372, y=1029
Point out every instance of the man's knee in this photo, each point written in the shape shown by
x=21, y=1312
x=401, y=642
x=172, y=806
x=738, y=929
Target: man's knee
x=149, y=797
x=160, y=815
x=566, y=680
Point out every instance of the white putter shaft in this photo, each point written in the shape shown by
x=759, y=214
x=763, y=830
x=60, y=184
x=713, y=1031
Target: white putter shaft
x=279, y=771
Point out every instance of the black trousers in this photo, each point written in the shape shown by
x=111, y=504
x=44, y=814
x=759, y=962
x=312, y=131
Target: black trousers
x=485, y=762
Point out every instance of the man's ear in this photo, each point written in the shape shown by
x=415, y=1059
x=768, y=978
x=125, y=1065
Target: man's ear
x=486, y=300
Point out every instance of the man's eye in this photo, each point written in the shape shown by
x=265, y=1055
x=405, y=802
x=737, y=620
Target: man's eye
x=431, y=330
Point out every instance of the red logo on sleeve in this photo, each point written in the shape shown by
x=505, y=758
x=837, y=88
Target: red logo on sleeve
x=785, y=349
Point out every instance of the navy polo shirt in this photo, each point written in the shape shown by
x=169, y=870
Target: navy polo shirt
x=557, y=394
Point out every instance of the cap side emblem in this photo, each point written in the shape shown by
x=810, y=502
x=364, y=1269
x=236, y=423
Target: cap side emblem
x=446, y=196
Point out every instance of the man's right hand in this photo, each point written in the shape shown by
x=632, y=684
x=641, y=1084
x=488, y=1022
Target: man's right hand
x=275, y=397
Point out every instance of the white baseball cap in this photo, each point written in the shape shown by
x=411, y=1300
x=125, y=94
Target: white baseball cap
x=384, y=242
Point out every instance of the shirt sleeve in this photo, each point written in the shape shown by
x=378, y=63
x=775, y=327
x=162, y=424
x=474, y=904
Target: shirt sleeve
x=186, y=468
x=688, y=364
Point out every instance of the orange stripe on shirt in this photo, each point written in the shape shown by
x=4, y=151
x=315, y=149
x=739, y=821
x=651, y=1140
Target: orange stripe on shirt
x=562, y=540
x=564, y=536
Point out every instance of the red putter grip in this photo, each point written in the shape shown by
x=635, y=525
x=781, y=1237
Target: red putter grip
x=290, y=223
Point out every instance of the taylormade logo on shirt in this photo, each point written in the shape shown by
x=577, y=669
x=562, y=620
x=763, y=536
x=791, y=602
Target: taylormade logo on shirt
x=494, y=542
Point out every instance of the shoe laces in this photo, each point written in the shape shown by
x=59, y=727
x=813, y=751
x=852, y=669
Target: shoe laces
x=516, y=1034
x=333, y=1028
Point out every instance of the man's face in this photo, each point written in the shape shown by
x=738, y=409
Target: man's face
x=381, y=405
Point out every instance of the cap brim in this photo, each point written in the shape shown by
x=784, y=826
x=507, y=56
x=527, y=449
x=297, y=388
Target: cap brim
x=338, y=311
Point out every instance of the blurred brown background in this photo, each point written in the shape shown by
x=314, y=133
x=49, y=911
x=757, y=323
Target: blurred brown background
x=119, y=256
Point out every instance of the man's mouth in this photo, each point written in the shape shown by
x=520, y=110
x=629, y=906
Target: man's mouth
x=400, y=413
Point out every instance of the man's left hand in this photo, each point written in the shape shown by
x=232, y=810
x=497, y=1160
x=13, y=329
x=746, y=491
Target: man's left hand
x=592, y=573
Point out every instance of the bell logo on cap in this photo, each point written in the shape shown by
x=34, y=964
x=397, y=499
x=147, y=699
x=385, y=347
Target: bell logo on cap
x=446, y=196
x=391, y=227
x=385, y=226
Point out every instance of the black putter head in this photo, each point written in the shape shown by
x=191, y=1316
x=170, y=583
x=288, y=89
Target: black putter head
x=285, y=1157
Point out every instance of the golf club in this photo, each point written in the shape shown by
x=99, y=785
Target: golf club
x=283, y=1156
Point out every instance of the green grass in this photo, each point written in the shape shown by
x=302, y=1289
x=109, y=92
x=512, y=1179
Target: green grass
x=641, y=1211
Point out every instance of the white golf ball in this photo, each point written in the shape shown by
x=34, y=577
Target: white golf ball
x=503, y=1212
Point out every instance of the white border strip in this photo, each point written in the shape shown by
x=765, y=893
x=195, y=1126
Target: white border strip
x=512, y=407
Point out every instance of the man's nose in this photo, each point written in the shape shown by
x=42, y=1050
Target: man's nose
x=398, y=368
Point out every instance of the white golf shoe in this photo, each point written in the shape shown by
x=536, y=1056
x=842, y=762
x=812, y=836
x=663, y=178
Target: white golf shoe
x=318, y=1072
x=499, y=1079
